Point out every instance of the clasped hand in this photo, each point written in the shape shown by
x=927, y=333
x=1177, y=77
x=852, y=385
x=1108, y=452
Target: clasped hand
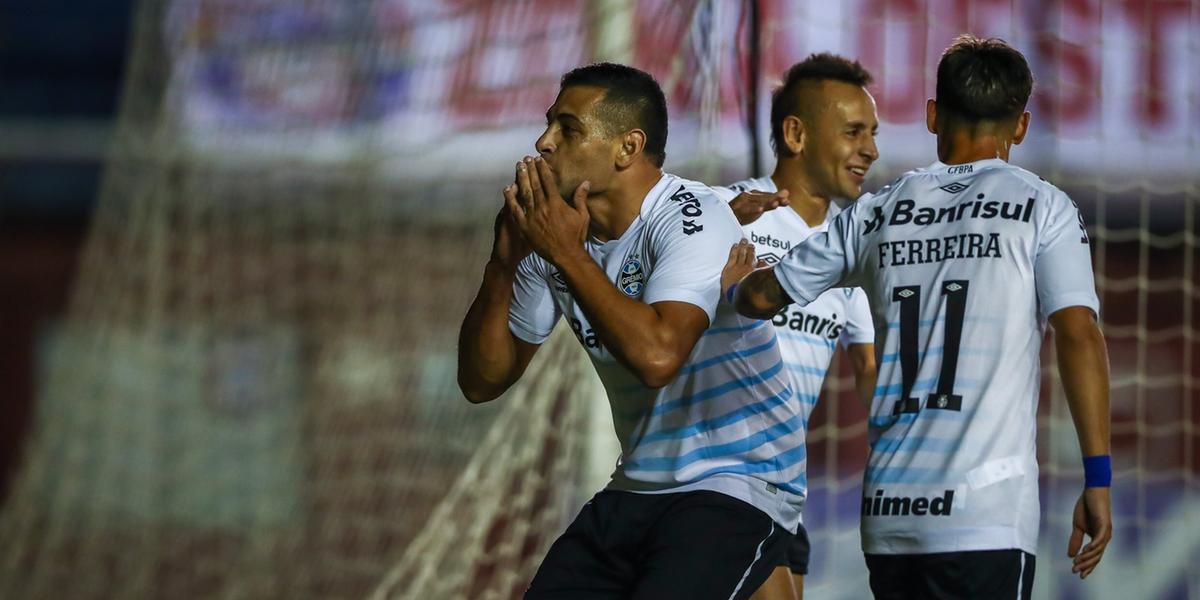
x=554, y=229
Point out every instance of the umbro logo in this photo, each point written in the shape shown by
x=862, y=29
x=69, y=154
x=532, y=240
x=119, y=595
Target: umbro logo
x=954, y=187
x=770, y=258
x=905, y=293
x=953, y=287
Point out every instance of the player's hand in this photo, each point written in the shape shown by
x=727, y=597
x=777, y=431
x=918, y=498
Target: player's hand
x=553, y=228
x=1093, y=516
x=741, y=262
x=509, y=246
x=749, y=206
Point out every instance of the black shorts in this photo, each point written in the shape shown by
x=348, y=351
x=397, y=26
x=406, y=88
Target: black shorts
x=796, y=557
x=643, y=546
x=983, y=575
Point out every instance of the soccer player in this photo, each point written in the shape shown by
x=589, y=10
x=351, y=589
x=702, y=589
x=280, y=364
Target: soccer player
x=823, y=126
x=710, y=482
x=964, y=263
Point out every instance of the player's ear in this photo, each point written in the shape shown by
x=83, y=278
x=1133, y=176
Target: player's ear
x=793, y=134
x=1022, y=128
x=931, y=116
x=632, y=143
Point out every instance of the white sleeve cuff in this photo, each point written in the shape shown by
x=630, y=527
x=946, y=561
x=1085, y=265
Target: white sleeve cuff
x=708, y=305
x=526, y=334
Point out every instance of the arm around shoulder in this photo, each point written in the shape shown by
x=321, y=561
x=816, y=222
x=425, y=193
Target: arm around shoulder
x=759, y=295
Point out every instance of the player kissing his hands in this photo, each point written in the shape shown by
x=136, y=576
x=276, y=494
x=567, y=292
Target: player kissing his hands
x=554, y=229
x=509, y=246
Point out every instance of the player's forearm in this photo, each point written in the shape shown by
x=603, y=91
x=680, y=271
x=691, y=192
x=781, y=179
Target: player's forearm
x=759, y=295
x=1083, y=365
x=862, y=359
x=487, y=354
x=630, y=330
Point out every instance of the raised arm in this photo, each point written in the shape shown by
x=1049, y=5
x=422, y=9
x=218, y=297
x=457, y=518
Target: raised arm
x=750, y=205
x=1083, y=363
x=490, y=357
x=759, y=295
x=652, y=340
x=820, y=262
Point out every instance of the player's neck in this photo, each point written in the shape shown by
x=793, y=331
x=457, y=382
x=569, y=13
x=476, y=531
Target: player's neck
x=614, y=210
x=812, y=208
x=960, y=147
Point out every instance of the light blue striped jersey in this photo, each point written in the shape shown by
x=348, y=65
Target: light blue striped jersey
x=809, y=335
x=962, y=264
x=727, y=423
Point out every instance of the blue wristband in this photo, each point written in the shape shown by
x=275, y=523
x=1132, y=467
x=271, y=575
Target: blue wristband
x=729, y=293
x=1097, y=471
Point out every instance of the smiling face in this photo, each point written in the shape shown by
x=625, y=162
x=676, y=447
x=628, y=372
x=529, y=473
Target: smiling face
x=839, y=145
x=577, y=144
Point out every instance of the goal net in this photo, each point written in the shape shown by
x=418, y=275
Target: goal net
x=253, y=395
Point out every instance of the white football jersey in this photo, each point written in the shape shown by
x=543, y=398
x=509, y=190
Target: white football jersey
x=808, y=335
x=962, y=264
x=727, y=423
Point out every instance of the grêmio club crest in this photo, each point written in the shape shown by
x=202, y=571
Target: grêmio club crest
x=632, y=278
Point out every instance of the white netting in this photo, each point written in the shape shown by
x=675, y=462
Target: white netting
x=254, y=394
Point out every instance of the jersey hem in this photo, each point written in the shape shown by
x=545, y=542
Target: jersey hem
x=782, y=507
x=963, y=539
x=694, y=298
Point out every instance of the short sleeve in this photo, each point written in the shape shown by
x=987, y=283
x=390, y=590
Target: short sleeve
x=860, y=329
x=822, y=261
x=689, y=259
x=533, y=313
x=726, y=194
x=1062, y=268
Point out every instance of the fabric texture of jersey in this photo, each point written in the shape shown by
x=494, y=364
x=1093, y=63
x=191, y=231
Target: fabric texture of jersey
x=962, y=264
x=809, y=335
x=727, y=422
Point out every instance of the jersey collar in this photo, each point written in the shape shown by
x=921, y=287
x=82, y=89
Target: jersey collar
x=656, y=194
x=942, y=168
x=653, y=198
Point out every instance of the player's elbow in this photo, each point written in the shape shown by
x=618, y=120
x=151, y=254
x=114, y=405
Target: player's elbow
x=476, y=395
x=477, y=391
x=754, y=306
x=659, y=370
x=656, y=377
x=754, y=299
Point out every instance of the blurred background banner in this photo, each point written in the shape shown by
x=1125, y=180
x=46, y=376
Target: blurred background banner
x=425, y=82
x=249, y=389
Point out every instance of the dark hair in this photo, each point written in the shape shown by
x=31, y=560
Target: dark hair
x=982, y=80
x=632, y=100
x=824, y=66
